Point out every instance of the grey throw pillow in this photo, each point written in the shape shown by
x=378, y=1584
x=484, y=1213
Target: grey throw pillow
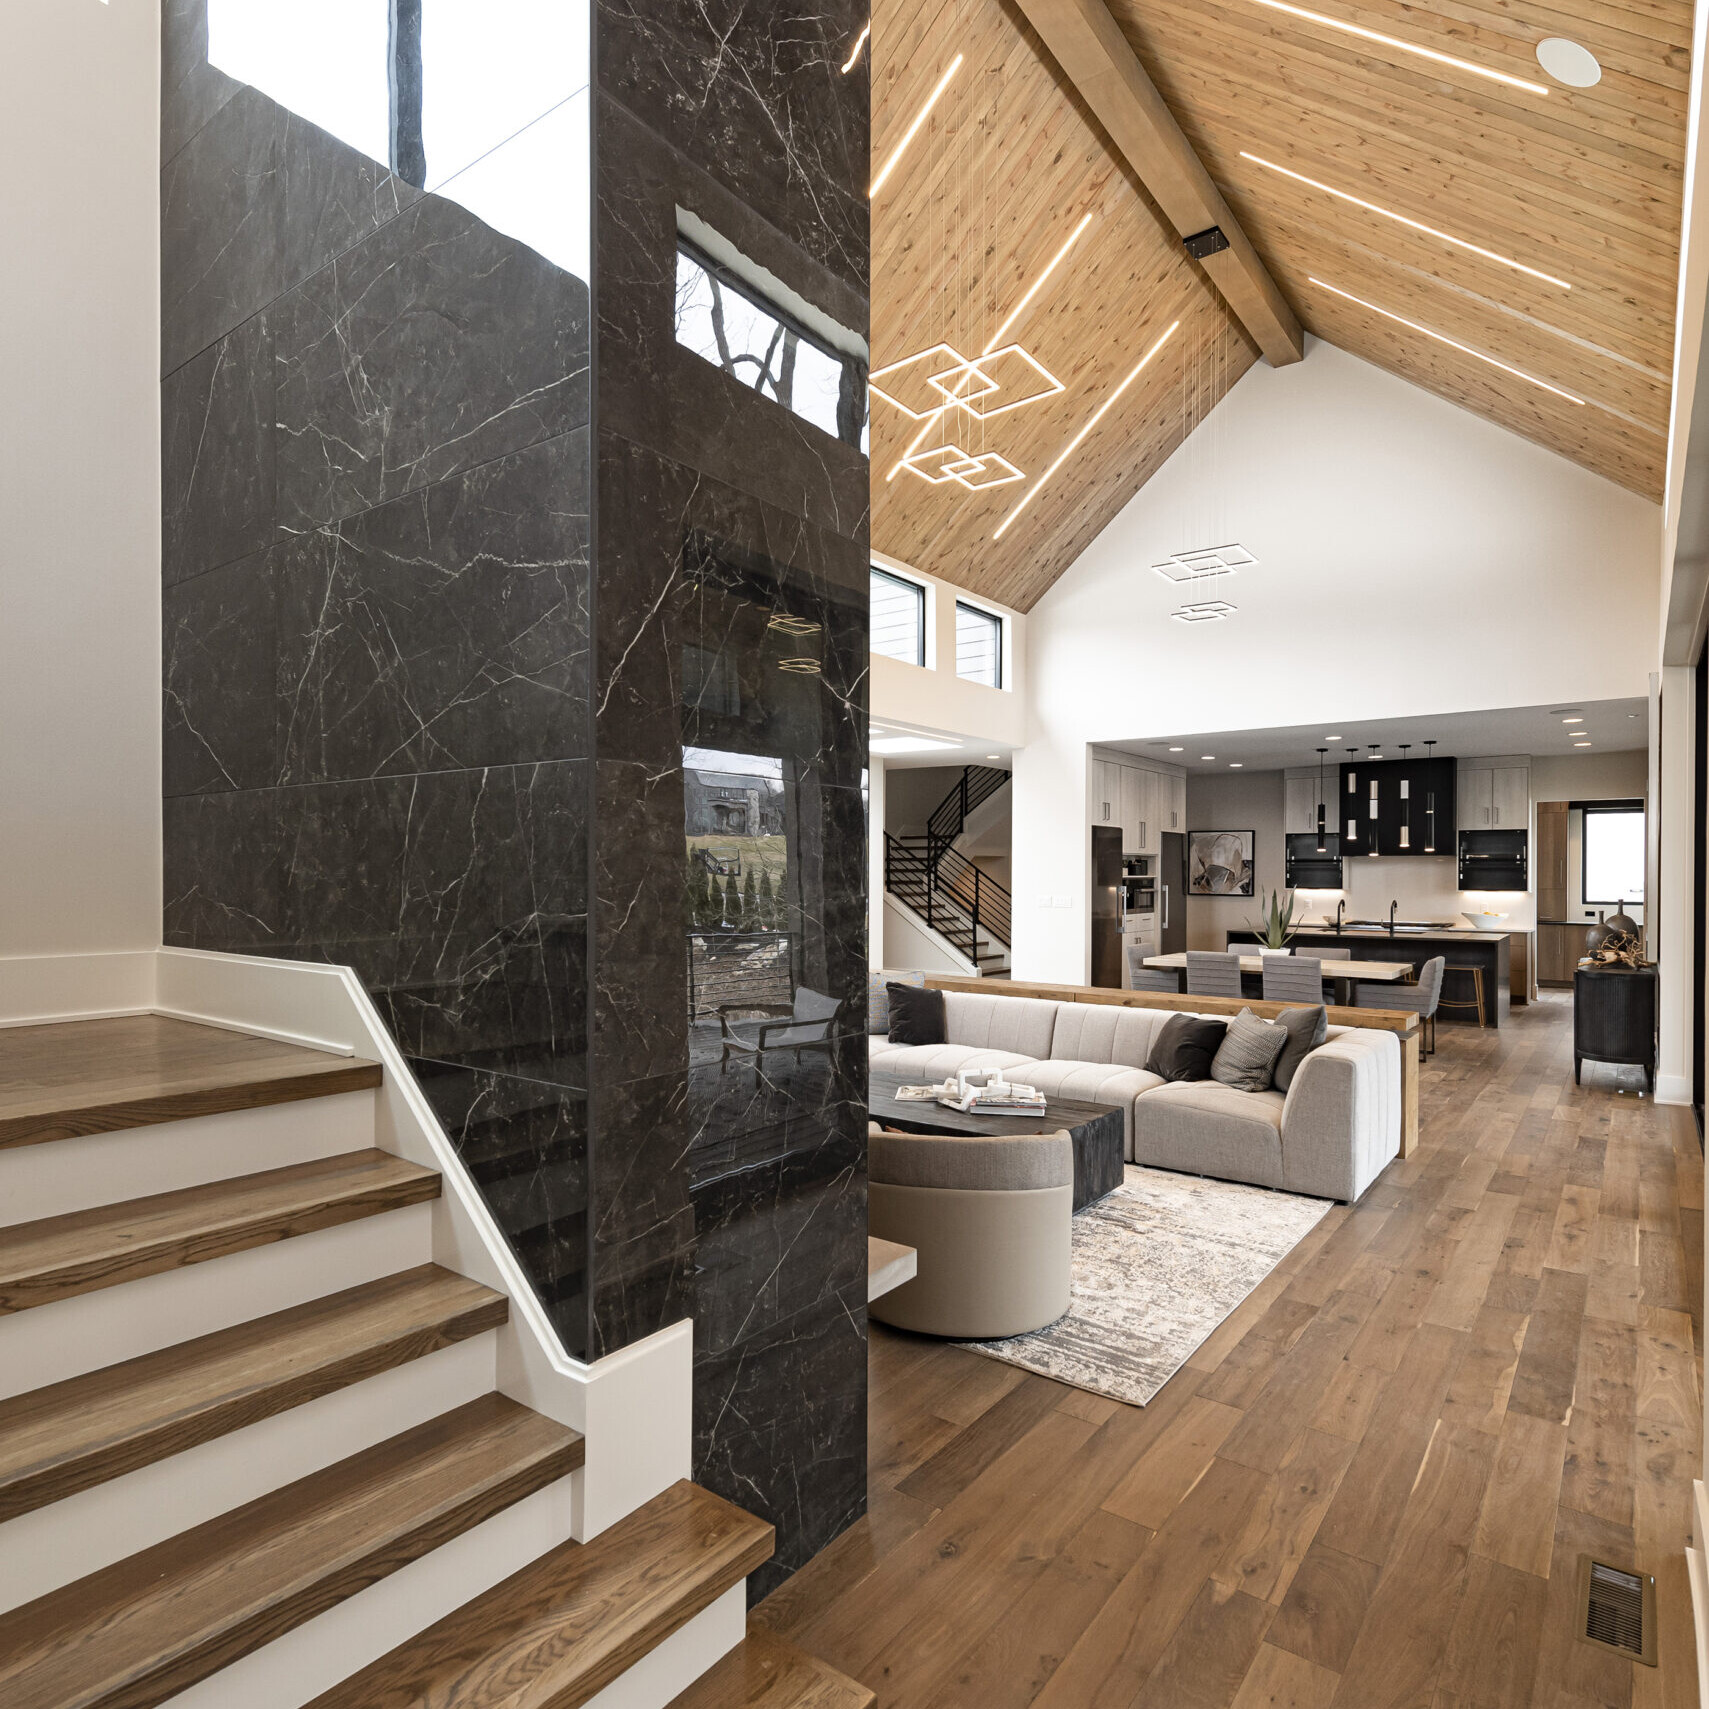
x=1307, y=1029
x=1247, y=1059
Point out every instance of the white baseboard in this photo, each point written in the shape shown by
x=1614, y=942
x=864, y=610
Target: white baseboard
x=65, y=1175
x=1673, y=1089
x=36, y=990
x=53, y=1545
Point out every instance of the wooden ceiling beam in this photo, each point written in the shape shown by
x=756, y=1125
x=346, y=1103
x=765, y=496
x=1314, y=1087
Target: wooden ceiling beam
x=1094, y=55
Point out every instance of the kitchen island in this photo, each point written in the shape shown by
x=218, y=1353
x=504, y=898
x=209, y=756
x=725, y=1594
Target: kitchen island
x=1491, y=953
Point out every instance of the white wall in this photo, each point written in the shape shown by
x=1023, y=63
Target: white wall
x=1591, y=777
x=933, y=697
x=1412, y=559
x=1232, y=802
x=79, y=477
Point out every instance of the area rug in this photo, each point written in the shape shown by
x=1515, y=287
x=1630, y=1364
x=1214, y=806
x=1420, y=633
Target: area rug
x=1158, y=1264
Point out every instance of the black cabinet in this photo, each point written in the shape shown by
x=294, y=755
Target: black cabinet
x=1397, y=807
x=1614, y=1018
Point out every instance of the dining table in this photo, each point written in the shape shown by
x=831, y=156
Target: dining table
x=1345, y=975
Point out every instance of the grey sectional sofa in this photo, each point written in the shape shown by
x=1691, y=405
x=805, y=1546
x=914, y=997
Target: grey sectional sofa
x=1330, y=1135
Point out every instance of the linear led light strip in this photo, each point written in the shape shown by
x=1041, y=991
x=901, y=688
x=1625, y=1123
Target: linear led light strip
x=1401, y=219
x=919, y=119
x=1453, y=343
x=854, y=52
x=1097, y=416
x=1032, y=291
x=1406, y=47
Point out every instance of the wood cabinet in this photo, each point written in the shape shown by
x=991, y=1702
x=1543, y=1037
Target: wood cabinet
x=1559, y=948
x=1299, y=804
x=1143, y=802
x=1550, y=867
x=1495, y=798
x=1510, y=797
x=1106, y=792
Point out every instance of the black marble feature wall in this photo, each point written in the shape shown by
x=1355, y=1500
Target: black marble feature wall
x=730, y=726
x=515, y=653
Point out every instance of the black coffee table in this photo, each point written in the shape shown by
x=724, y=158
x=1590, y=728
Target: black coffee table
x=1096, y=1129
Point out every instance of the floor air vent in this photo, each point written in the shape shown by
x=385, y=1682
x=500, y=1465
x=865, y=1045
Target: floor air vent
x=1618, y=1609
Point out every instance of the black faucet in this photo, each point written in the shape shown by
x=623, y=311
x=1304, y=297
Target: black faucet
x=1339, y=907
x=1392, y=907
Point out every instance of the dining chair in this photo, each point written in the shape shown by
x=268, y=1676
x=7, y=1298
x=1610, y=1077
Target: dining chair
x=1293, y=979
x=1423, y=998
x=1213, y=973
x=1154, y=979
x=1334, y=955
x=1331, y=984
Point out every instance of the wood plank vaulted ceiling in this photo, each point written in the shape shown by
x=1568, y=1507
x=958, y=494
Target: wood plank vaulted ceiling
x=1583, y=184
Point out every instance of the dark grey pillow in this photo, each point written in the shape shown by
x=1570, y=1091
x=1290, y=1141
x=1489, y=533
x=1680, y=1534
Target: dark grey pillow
x=1186, y=1046
x=1247, y=1058
x=1307, y=1029
x=916, y=1016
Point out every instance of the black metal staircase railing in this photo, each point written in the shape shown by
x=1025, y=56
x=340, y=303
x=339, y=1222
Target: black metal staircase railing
x=976, y=785
x=967, y=907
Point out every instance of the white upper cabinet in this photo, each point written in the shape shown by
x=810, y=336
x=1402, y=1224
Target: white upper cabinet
x=1177, y=804
x=1143, y=802
x=1105, y=805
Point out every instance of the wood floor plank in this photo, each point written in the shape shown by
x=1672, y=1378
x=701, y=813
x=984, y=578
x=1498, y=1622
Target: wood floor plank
x=766, y=1672
x=1325, y=1608
x=1353, y=1490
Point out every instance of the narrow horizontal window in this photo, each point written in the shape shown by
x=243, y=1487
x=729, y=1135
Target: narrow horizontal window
x=898, y=618
x=730, y=323
x=978, y=645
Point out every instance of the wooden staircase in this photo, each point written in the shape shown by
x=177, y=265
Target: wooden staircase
x=122, y=1605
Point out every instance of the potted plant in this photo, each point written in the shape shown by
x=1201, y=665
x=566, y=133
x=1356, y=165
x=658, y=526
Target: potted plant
x=1276, y=925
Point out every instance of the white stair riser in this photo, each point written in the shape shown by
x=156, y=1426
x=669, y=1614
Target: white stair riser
x=49, y=1343
x=53, y=1545
x=665, y=1673
x=64, y=1175
x=295, y=1668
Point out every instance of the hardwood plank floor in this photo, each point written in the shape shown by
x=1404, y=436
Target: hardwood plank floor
x=1371, y=1486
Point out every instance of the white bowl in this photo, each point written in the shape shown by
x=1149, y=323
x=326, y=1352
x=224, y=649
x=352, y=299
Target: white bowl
x=1484, y=922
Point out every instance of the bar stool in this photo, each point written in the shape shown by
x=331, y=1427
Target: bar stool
x=1475, y=1001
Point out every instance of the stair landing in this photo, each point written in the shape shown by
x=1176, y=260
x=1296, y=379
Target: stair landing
x=82, y=1077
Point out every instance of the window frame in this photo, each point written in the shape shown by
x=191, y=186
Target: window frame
x=854, y=371
x=996, y=617
x=922, y=596
x=1589, y=810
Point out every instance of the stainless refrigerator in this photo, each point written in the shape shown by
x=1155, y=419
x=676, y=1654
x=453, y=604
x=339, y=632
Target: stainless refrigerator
x=1172, y=893
x=1107, y=906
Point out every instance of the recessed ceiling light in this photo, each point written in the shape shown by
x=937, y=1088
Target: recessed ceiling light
x=1453, y=343
x=1207, y=756
x=993, y=756
x=1235, y=765
x=1183, y=750
x=1401, y=219
x=1581, y=744
x=919, y=119
x=1097, y=416
x=1406, y=47
x=1569, y=63
x=1572, y=720
x=1332, y=738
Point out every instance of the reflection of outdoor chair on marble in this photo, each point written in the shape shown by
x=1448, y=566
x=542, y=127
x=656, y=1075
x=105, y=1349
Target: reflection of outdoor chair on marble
x=804, y=1026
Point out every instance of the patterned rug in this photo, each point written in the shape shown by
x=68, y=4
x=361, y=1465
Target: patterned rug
x=1158, y=1264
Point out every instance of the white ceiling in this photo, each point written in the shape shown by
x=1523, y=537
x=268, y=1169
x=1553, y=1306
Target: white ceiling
x=1611, y=725
x=950, y=749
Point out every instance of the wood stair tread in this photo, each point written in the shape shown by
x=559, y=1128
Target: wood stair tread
x=75, y=1434
x=765, y=1671
x=81, y=1077
x=135, y=1633
x=72, y=1254
x=560, y=1630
